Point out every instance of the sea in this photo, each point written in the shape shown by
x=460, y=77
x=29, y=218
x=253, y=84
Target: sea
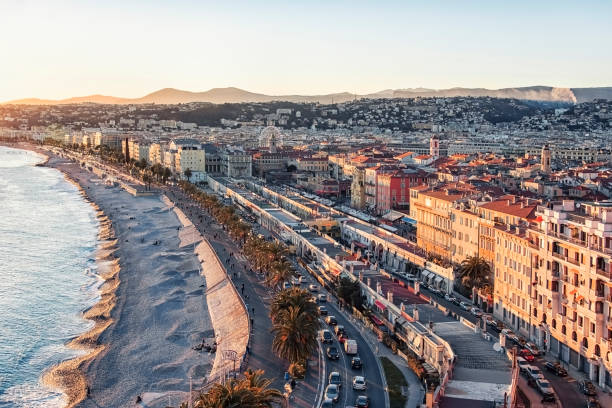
x=48, y=240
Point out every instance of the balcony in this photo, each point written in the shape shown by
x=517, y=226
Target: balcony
x=604, y=272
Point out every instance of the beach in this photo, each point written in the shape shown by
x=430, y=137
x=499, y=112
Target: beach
x=152, y=309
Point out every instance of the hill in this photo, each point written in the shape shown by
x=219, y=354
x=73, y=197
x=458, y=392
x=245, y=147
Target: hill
x=236, y=95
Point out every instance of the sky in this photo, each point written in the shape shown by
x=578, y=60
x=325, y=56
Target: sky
x=57, y=49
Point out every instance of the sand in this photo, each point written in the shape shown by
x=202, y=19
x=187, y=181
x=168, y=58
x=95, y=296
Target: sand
x=152, y=308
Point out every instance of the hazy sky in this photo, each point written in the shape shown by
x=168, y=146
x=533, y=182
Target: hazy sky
x=57, y=49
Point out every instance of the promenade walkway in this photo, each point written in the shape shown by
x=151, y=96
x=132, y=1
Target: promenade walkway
x=257, y=299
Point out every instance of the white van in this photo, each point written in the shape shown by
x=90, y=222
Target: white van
x=350, y=346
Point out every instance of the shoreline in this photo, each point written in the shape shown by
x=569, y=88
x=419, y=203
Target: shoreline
x=105, y=343
x=68, y=375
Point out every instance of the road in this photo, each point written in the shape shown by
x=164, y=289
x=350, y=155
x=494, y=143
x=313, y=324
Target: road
x=566, y=388
x=370, y=369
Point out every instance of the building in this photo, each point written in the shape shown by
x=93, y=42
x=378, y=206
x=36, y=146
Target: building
x=572, y=318
x=434, y=147
x=545, y=160
x=393, y=188
x=192, y=158
x=236, y=163
x=358, y=200
x=270, y=139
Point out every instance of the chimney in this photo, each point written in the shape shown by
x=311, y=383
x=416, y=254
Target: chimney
x=522, y=204
x=415, y=314
x=390, y=296
x=508, y=203
x=378, y=288
x=360, y=276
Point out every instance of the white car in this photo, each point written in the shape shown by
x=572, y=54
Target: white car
x=359, y=383
x=332, y=392
x=313, y=287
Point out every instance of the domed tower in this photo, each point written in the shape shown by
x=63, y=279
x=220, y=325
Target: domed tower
x=545, y=159
x=434, y=146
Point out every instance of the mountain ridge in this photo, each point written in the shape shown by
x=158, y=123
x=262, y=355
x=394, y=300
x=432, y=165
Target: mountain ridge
x=237, y=95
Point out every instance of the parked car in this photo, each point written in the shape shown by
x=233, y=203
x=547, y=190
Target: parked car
x=313, y=288
x=331, y=320
x=322, y=310
x=332, y=392
x=587, y=388
x=476, y=311
x=464, y=306
x=546, y=390
x=534, y=373
x=332, y=353
x=526, y=354
x=335, y=378
x=497, y=325
x=532, y=348
x=286, y=285
x=325, y=336
x=522, y=363
x=359, y=383
x=356, y=363
x=362, y=402
x=339, y=329
x=555, y=368
x=449, y=297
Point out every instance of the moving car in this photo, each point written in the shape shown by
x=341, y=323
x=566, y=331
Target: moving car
x=322, y=310
x=322, y=298
x=339, y=329
x=350, y=346
x=362, y=402
x=587, y=388
x=359, y=383
x=332, y=392
x=286, y=285
x=546, y=390
x=555, y=368
x=526, y=354
x=331, y=320
x=522, y=363
x=325, y=336
x=534, y=373
x=533, y=349
x=335, y=378
x=313, y=287
x=332, y=353
x=356, y=363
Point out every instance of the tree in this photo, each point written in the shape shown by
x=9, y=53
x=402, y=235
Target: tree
x=475, y=272
x=296, y=297
x=188, y=174
x=166, y=174
x=252, y=391
x=295, y=335
x=350, y=292
x=281, y=271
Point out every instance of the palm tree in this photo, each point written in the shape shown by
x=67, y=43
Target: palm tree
x=295, y=335
x=252, y=391
x=281, y=271
x=475, y=272
x=296, y=297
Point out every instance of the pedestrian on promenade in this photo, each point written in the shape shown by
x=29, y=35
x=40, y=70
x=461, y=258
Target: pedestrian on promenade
x=253, y=311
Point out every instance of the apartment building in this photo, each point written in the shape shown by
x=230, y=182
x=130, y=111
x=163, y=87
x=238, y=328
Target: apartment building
x=572, y=246
x=432, y=209
x=236, y=163
x=192, y=158
x=393, y=188
x=465, y=225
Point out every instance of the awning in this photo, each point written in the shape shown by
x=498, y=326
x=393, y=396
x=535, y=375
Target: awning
x=579, y=298
x=393, y=215
x=400, y=321
x=573, y=291
x=376, y=320
x=425, y=275
x=380, y=305
x=334, y=271
x=438, y=279
x=359, y=245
